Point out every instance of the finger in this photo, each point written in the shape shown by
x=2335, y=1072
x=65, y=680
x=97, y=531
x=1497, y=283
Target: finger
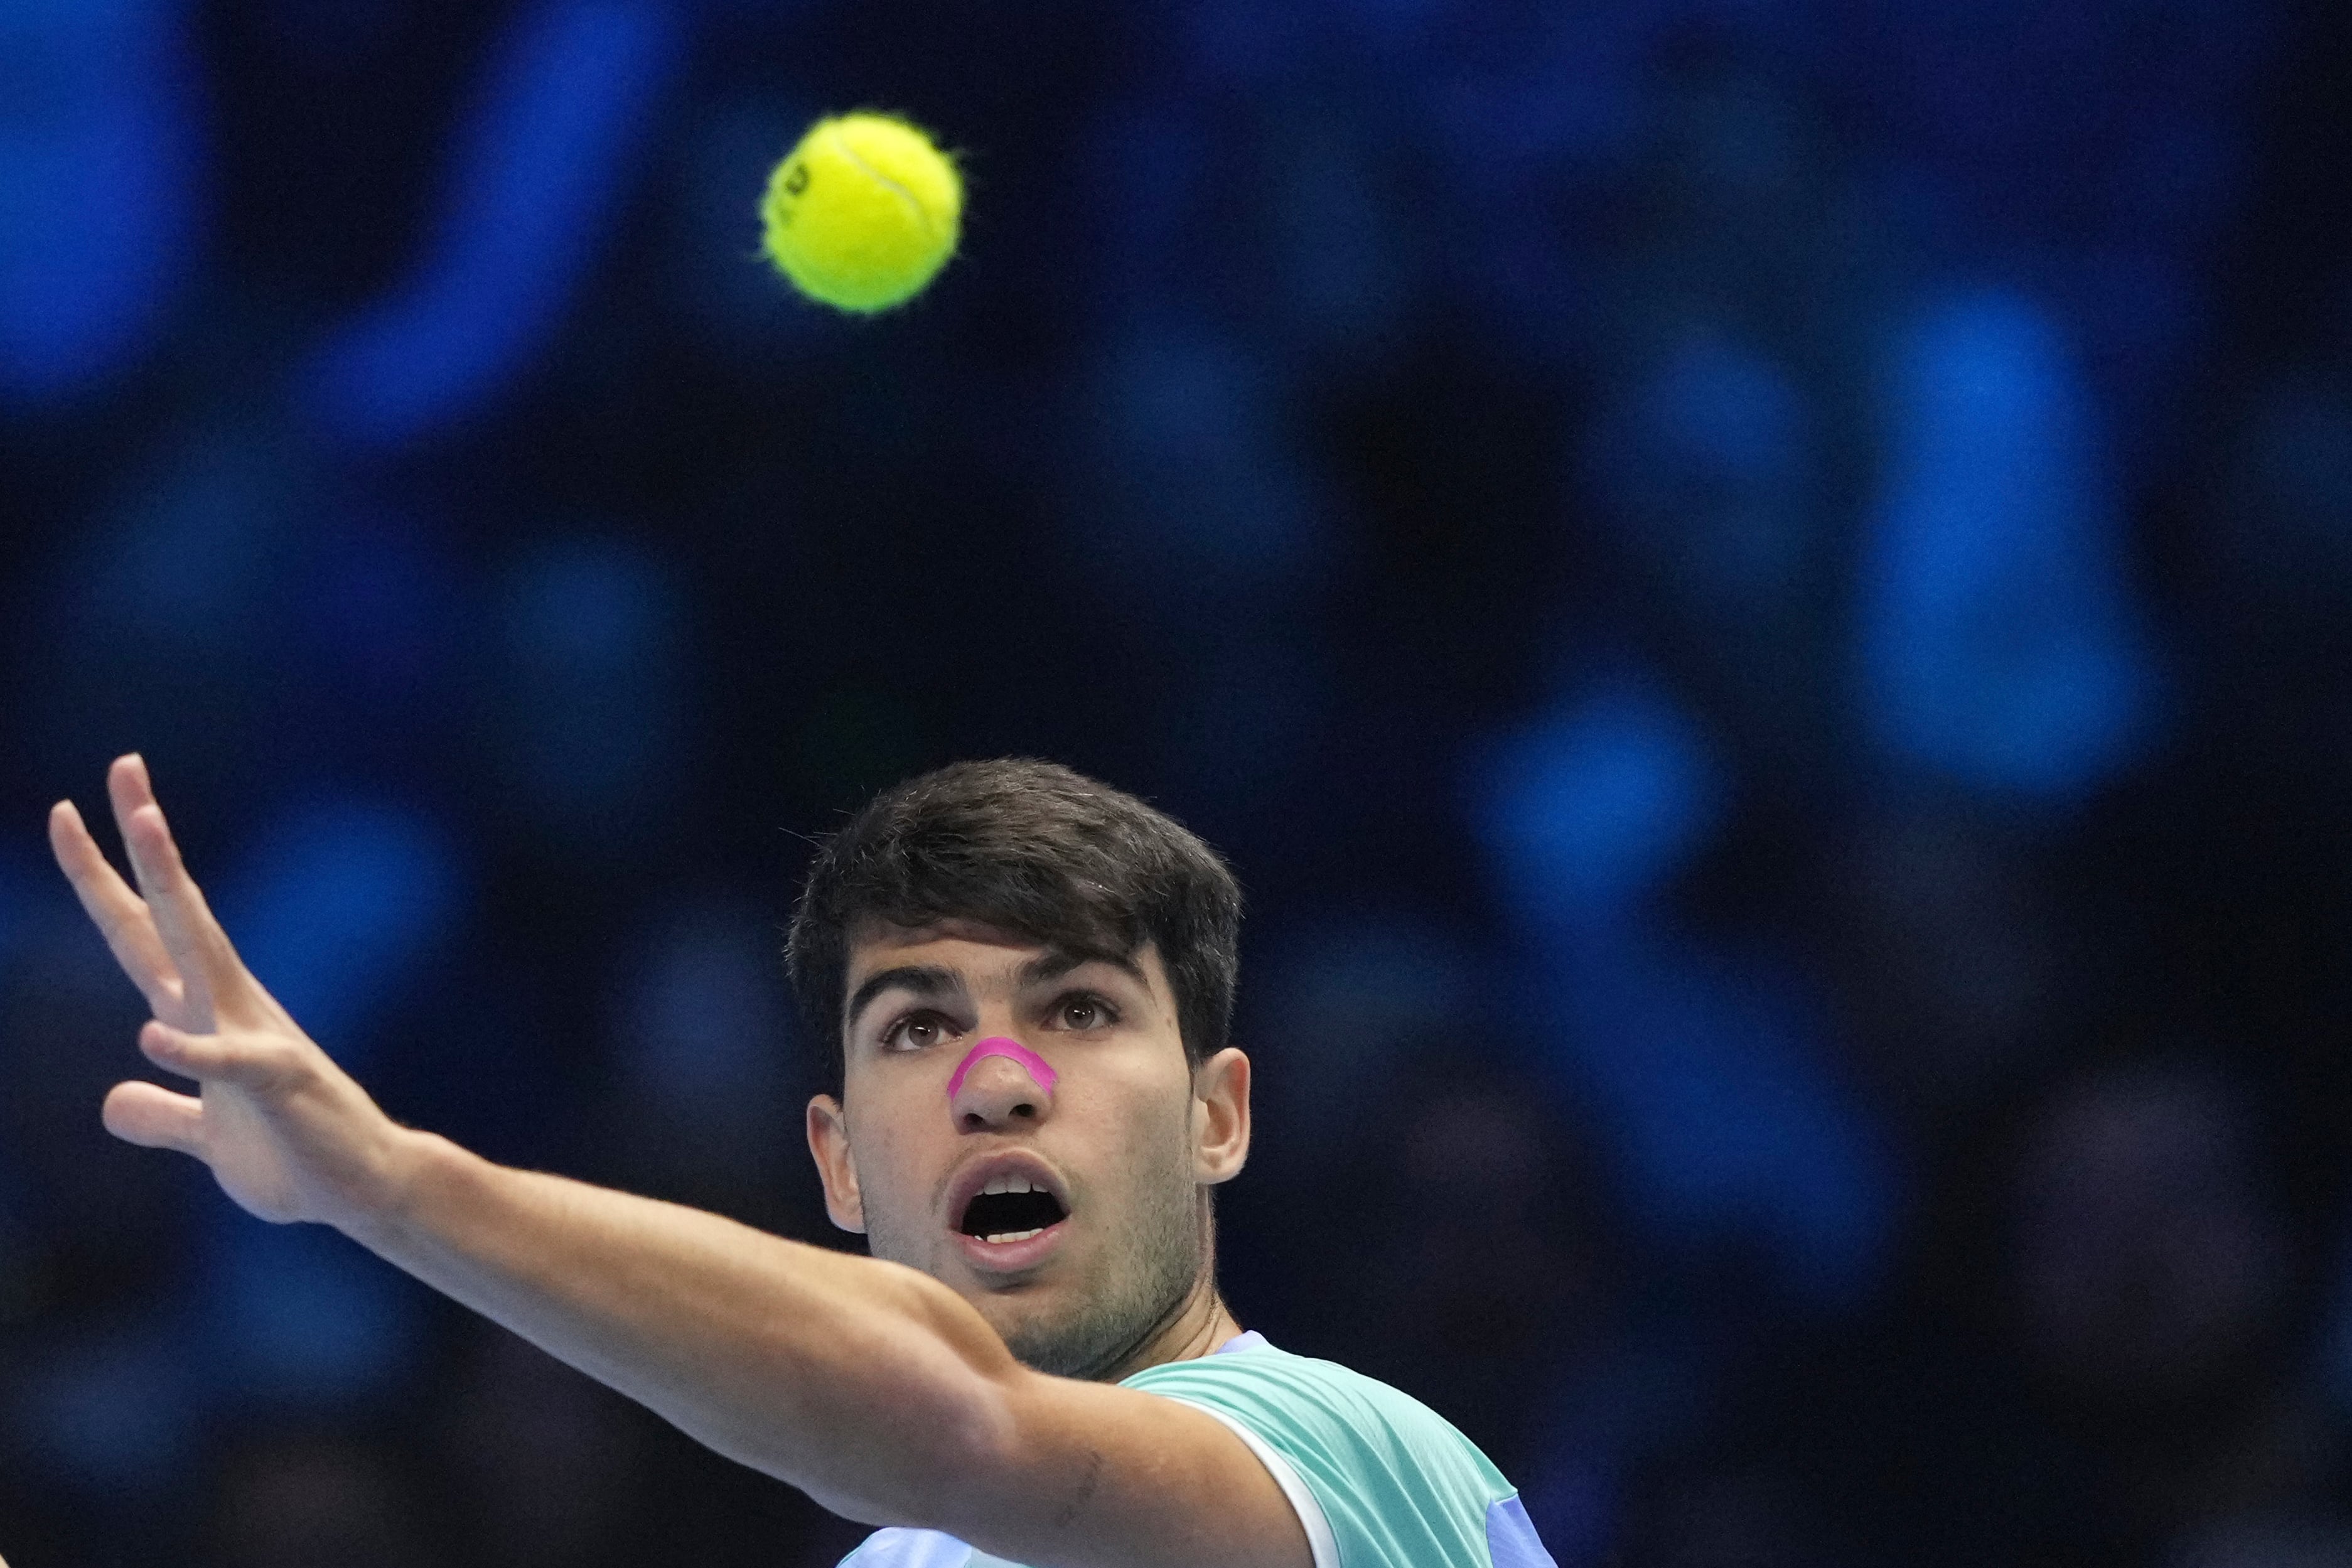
x=153, y=1117
x=119, y=914
x=210, y=972
x=246, y=1061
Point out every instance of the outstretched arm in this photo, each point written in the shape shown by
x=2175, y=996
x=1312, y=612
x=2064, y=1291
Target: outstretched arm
x=871, y=1386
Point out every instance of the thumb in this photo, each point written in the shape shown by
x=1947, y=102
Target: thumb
x=153, y=1117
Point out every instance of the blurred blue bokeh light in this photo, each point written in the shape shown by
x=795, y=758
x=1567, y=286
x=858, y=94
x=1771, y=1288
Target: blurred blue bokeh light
x=535, y=173
x=2000, y=642
x=104, y=187
x=341, y=903
x=1588, y=812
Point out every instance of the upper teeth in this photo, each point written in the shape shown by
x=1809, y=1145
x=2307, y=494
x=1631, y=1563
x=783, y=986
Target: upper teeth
x=1008, y=1185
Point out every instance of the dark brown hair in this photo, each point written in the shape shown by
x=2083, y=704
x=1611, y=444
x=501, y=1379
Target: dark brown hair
x=1034, y=850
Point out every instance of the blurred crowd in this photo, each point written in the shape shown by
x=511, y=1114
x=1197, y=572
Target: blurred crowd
x=1757, y=593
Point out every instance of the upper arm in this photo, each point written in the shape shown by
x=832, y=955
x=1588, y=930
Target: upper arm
x=1089, y=1474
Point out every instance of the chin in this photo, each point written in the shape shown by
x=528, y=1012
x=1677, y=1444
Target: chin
x=1026, y=1317
x=1047, y=1348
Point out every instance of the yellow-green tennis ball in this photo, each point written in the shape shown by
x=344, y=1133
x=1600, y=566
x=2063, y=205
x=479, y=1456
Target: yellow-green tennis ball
x=863, y=212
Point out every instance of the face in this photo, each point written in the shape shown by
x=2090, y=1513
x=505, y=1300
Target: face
x=1116, y=1137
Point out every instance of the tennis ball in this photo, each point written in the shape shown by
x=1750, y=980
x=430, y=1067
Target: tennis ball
x=863, y=212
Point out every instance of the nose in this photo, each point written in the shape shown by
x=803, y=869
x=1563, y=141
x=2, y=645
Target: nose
x=998, y=1081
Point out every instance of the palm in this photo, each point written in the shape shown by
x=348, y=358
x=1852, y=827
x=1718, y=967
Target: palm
x=248, y=1156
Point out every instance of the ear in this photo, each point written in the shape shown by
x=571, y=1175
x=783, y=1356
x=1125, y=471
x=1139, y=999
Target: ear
x=1221, y=1117
x=837, y=1167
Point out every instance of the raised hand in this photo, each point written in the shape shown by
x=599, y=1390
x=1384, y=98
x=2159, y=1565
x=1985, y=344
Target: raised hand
x=287, y=1133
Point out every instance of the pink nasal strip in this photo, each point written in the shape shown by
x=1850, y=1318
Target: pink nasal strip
x=1012, y=1051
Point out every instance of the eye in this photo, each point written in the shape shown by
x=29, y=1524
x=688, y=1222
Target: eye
x=914, y=1032
x=1082, y=1010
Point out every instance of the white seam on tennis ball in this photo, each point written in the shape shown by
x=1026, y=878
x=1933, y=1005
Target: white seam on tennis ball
x=906, y=196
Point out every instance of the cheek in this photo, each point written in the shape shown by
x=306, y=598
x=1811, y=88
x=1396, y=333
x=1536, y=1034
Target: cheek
x=1152, y=1136
x=887, y=1175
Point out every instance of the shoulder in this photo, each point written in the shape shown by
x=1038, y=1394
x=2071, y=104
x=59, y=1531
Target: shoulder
x=1397, y=1481
x=1315, y=1395
x=1304, y=1398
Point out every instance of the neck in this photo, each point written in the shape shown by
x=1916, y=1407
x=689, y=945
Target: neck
x=1197, y=1328
x=1201, y=1321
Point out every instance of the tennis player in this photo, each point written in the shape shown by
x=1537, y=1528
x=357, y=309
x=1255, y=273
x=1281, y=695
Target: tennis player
x=1030, y=977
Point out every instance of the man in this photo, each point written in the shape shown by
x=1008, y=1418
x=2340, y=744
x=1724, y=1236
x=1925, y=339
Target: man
x=1030, y=977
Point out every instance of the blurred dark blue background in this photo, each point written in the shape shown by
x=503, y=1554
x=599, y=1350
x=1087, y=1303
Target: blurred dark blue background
x=1757, y=591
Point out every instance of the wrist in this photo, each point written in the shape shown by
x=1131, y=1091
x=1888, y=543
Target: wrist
x=406, y=1166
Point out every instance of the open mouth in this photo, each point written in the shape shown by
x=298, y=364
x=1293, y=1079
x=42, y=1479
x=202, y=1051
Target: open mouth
x=1010, y=1209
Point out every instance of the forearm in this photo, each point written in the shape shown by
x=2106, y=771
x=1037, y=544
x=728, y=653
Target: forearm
x=860, y=1382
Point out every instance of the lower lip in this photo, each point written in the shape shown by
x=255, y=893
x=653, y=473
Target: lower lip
x=1011, y=1256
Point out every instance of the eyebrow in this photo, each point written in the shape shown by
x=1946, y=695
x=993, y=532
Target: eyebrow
x=935, y=980
x=1055, y=962
x=919, y=979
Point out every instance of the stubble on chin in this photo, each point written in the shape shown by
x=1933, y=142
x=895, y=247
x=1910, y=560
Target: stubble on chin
x=1143, y=1290
x=1152, y=1264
